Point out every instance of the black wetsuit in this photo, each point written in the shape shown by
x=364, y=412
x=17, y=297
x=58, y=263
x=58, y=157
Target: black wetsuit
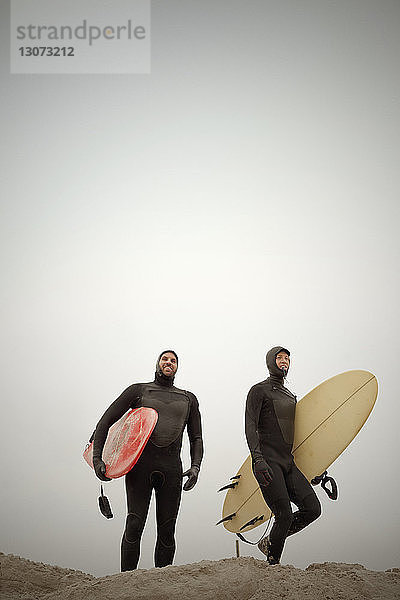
x=159, y=466
x=270, y=411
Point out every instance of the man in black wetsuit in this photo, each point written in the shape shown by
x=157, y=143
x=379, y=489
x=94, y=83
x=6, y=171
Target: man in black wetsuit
x=270, y=410
x=159, y=467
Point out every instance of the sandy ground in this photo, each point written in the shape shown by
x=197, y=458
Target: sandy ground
x=228, y=579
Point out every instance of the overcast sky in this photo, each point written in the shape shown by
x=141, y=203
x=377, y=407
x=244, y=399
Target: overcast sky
x=244, y=194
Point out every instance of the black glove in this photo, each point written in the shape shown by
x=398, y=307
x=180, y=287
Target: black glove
x=192, y=475
x=100, y=469
x=263, y=472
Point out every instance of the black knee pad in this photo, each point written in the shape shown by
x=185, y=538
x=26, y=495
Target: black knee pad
x=313, y=507
x=133, y=528
x=166, y=533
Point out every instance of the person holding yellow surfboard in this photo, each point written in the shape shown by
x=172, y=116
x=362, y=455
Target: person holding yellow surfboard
x=269, y=428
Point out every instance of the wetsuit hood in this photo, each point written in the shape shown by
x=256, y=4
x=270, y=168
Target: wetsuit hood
x=159, y=377
x=273, y=368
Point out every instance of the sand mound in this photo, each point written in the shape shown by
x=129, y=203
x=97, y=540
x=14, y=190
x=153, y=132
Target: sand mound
x=228, y=579
x=21, y=578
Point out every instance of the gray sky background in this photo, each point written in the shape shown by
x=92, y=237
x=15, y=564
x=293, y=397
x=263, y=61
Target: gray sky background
x=245, y=194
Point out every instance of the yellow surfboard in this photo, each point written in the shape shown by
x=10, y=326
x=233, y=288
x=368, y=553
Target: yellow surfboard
x=326, y=421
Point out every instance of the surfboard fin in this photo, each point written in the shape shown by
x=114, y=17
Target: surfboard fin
x=230, y=486
x=251, y=522
x=228, y=518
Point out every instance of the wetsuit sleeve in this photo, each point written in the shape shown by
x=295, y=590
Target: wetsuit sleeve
x=195, y=432
x=128, y=399
x=253, y=408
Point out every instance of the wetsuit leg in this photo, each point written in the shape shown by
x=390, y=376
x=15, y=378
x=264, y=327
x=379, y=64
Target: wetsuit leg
x=138, y=493
x=304, y=497
x=282, y=521
x=168, y=496
x=277, y=498
x=161, y=469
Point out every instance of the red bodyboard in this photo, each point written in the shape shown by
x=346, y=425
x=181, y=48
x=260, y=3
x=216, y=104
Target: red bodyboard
x=125, y=441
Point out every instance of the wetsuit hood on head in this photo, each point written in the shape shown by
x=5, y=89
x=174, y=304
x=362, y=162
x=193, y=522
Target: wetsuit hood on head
x=159, y=375
x=273, y=368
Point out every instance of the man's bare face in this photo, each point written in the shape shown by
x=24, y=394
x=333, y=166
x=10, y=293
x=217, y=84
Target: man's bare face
x=168, y=364
x=282, y=361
